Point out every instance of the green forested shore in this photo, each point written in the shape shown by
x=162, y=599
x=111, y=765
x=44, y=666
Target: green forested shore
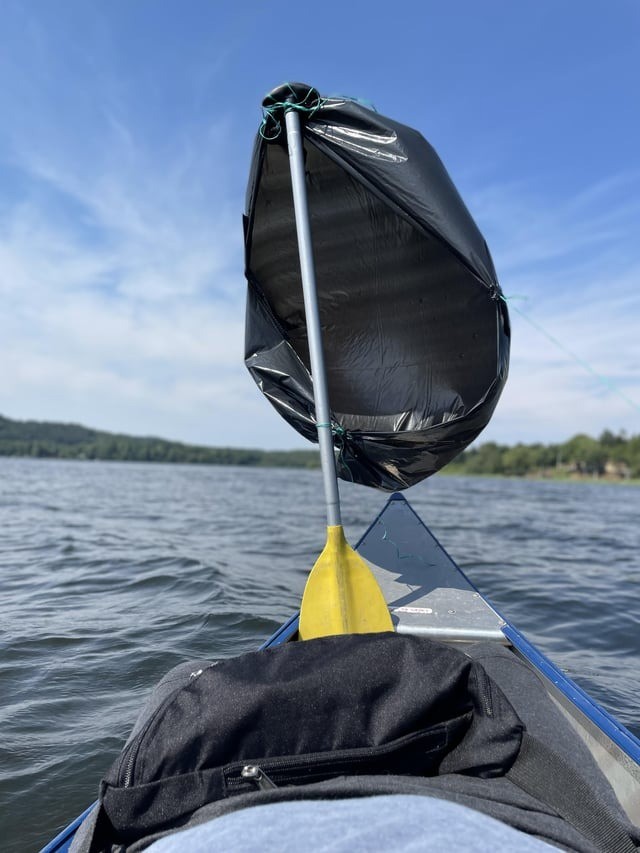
x=610, y=456
x=70, y=441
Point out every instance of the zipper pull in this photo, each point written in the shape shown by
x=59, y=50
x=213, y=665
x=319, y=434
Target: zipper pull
x=258, y=777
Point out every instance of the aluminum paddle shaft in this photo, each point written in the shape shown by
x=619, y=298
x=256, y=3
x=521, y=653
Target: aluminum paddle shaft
x=307, y=269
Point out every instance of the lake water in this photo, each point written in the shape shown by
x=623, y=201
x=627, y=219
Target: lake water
x=111, y=573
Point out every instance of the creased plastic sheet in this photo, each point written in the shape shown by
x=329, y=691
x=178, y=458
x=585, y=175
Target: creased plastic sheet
x=415, y=332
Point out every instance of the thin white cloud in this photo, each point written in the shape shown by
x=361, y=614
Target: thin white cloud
x=128, y=312
x=573, y=272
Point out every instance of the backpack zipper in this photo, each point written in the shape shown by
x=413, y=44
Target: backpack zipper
x=484, y=689
x=411, y=754
x=134, y=746
x=257, y=775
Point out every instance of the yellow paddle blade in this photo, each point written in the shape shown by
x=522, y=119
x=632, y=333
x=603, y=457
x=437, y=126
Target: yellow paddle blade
x=341, y=596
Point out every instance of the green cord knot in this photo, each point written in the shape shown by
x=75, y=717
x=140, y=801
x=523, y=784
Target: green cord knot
x=335, y=428
x=340, y=433
x=289, y=96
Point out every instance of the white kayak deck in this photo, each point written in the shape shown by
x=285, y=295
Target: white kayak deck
x=426, y=591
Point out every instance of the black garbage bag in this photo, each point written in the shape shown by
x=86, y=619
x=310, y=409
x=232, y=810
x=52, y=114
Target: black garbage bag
x=415, y=329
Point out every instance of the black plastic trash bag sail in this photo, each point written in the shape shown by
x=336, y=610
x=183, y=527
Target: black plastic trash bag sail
x=415, y=332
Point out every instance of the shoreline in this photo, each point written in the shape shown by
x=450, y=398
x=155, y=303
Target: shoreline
x=444, y=472
x=549, y=478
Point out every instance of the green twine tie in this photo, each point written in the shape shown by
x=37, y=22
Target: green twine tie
x=269, y=113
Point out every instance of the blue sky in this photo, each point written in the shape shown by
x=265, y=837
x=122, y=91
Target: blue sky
x=125, y=140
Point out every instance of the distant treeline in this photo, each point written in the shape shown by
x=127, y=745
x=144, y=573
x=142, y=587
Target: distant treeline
x=71, y=441
x=612, y=456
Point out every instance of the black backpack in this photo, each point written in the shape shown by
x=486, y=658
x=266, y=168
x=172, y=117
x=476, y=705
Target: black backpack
x=302, y=713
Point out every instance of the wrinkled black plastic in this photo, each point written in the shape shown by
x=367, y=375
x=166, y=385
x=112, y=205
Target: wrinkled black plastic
x=415, y=332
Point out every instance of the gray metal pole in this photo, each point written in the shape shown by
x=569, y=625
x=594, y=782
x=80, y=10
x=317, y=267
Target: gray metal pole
x=307, y=270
